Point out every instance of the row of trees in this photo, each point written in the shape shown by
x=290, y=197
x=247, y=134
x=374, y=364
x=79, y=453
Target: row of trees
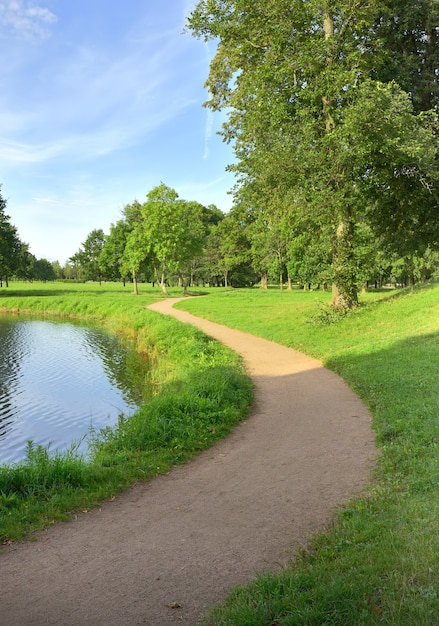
x=332, y=109
x=160, y=240
x=172, y=241
x=16, y=260
x=14, y=254
x=167, y=240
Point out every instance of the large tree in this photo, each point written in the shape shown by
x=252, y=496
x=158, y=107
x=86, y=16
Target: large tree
x=305, y=91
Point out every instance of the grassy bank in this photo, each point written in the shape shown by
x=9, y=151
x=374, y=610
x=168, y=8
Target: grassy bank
x=379, y=564
x=200, y=393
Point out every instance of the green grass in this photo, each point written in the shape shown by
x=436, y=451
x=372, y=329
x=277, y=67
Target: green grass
x=200, y=392
x=379, y=564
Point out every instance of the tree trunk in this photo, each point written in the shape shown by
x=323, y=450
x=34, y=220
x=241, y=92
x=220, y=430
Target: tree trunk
x=182, y=283
x=290, y=284
x=136, y=290
x=344, y=288
x=162, y=283
x=264, y=281
x=328, y=28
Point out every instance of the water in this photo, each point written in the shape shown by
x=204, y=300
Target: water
x=59, y=379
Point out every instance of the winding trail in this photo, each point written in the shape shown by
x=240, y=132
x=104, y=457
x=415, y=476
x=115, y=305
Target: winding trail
x=165, y=551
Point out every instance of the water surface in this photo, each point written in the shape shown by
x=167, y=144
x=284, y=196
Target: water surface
x=57, y=380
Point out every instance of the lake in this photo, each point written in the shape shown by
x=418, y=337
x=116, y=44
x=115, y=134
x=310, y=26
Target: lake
x=58, y=380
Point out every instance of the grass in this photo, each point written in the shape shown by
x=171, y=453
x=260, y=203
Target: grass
x=201, y=392
x=379, y=564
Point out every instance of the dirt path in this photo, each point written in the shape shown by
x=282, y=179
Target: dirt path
x=183, y=539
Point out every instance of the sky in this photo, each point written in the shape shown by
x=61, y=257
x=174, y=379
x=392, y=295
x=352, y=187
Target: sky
x=101, y=101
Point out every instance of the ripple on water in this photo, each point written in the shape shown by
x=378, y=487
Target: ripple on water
x=59, y=380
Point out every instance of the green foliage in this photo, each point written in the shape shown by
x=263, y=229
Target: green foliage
x=325, y=138
x=43, y=270
x=111, y=255
x=87, y=257
x=14, y=256
x=175, y=230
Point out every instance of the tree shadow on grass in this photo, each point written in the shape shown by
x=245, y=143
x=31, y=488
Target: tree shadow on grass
x=399, y=384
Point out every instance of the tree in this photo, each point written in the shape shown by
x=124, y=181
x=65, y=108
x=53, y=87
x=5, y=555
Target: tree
x=174, y=233
x=130, y=244
x=88, y=255
x=43, y=270
x=203, y=266
x=136, y=253
x=229, y=239
x=58, y=270
x=12, y=250
x=110, y=258
x=296, y=78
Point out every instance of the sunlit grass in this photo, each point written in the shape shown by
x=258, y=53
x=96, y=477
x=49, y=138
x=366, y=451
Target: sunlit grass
x=380, y=562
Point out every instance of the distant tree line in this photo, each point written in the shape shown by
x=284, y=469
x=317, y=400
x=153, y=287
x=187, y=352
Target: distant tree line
x=170, y=241
x=14, y=254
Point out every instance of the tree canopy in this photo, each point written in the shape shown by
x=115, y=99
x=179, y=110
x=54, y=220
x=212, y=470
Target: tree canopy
x=325, y=138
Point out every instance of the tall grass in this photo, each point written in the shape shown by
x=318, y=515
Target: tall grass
x=379, y=564
x=200, y=392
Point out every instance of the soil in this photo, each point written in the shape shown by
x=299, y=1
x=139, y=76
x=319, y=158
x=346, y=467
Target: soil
x=165, y=551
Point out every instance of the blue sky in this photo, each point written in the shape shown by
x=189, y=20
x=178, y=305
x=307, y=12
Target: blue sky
x=100, y=101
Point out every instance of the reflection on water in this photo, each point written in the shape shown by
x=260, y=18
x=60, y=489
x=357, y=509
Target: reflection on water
x=59, y=379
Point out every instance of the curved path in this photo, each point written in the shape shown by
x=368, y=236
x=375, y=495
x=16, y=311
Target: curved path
x=167, y=550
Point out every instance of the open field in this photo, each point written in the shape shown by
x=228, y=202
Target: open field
x=380, y=562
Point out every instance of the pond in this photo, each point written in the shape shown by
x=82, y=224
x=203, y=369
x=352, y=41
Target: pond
x=59, y=380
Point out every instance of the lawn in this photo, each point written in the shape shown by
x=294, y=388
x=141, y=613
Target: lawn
x=380, y=562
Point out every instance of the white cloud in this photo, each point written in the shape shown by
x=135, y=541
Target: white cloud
x=112, y=136
x=25, y=19
x=93, y=103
